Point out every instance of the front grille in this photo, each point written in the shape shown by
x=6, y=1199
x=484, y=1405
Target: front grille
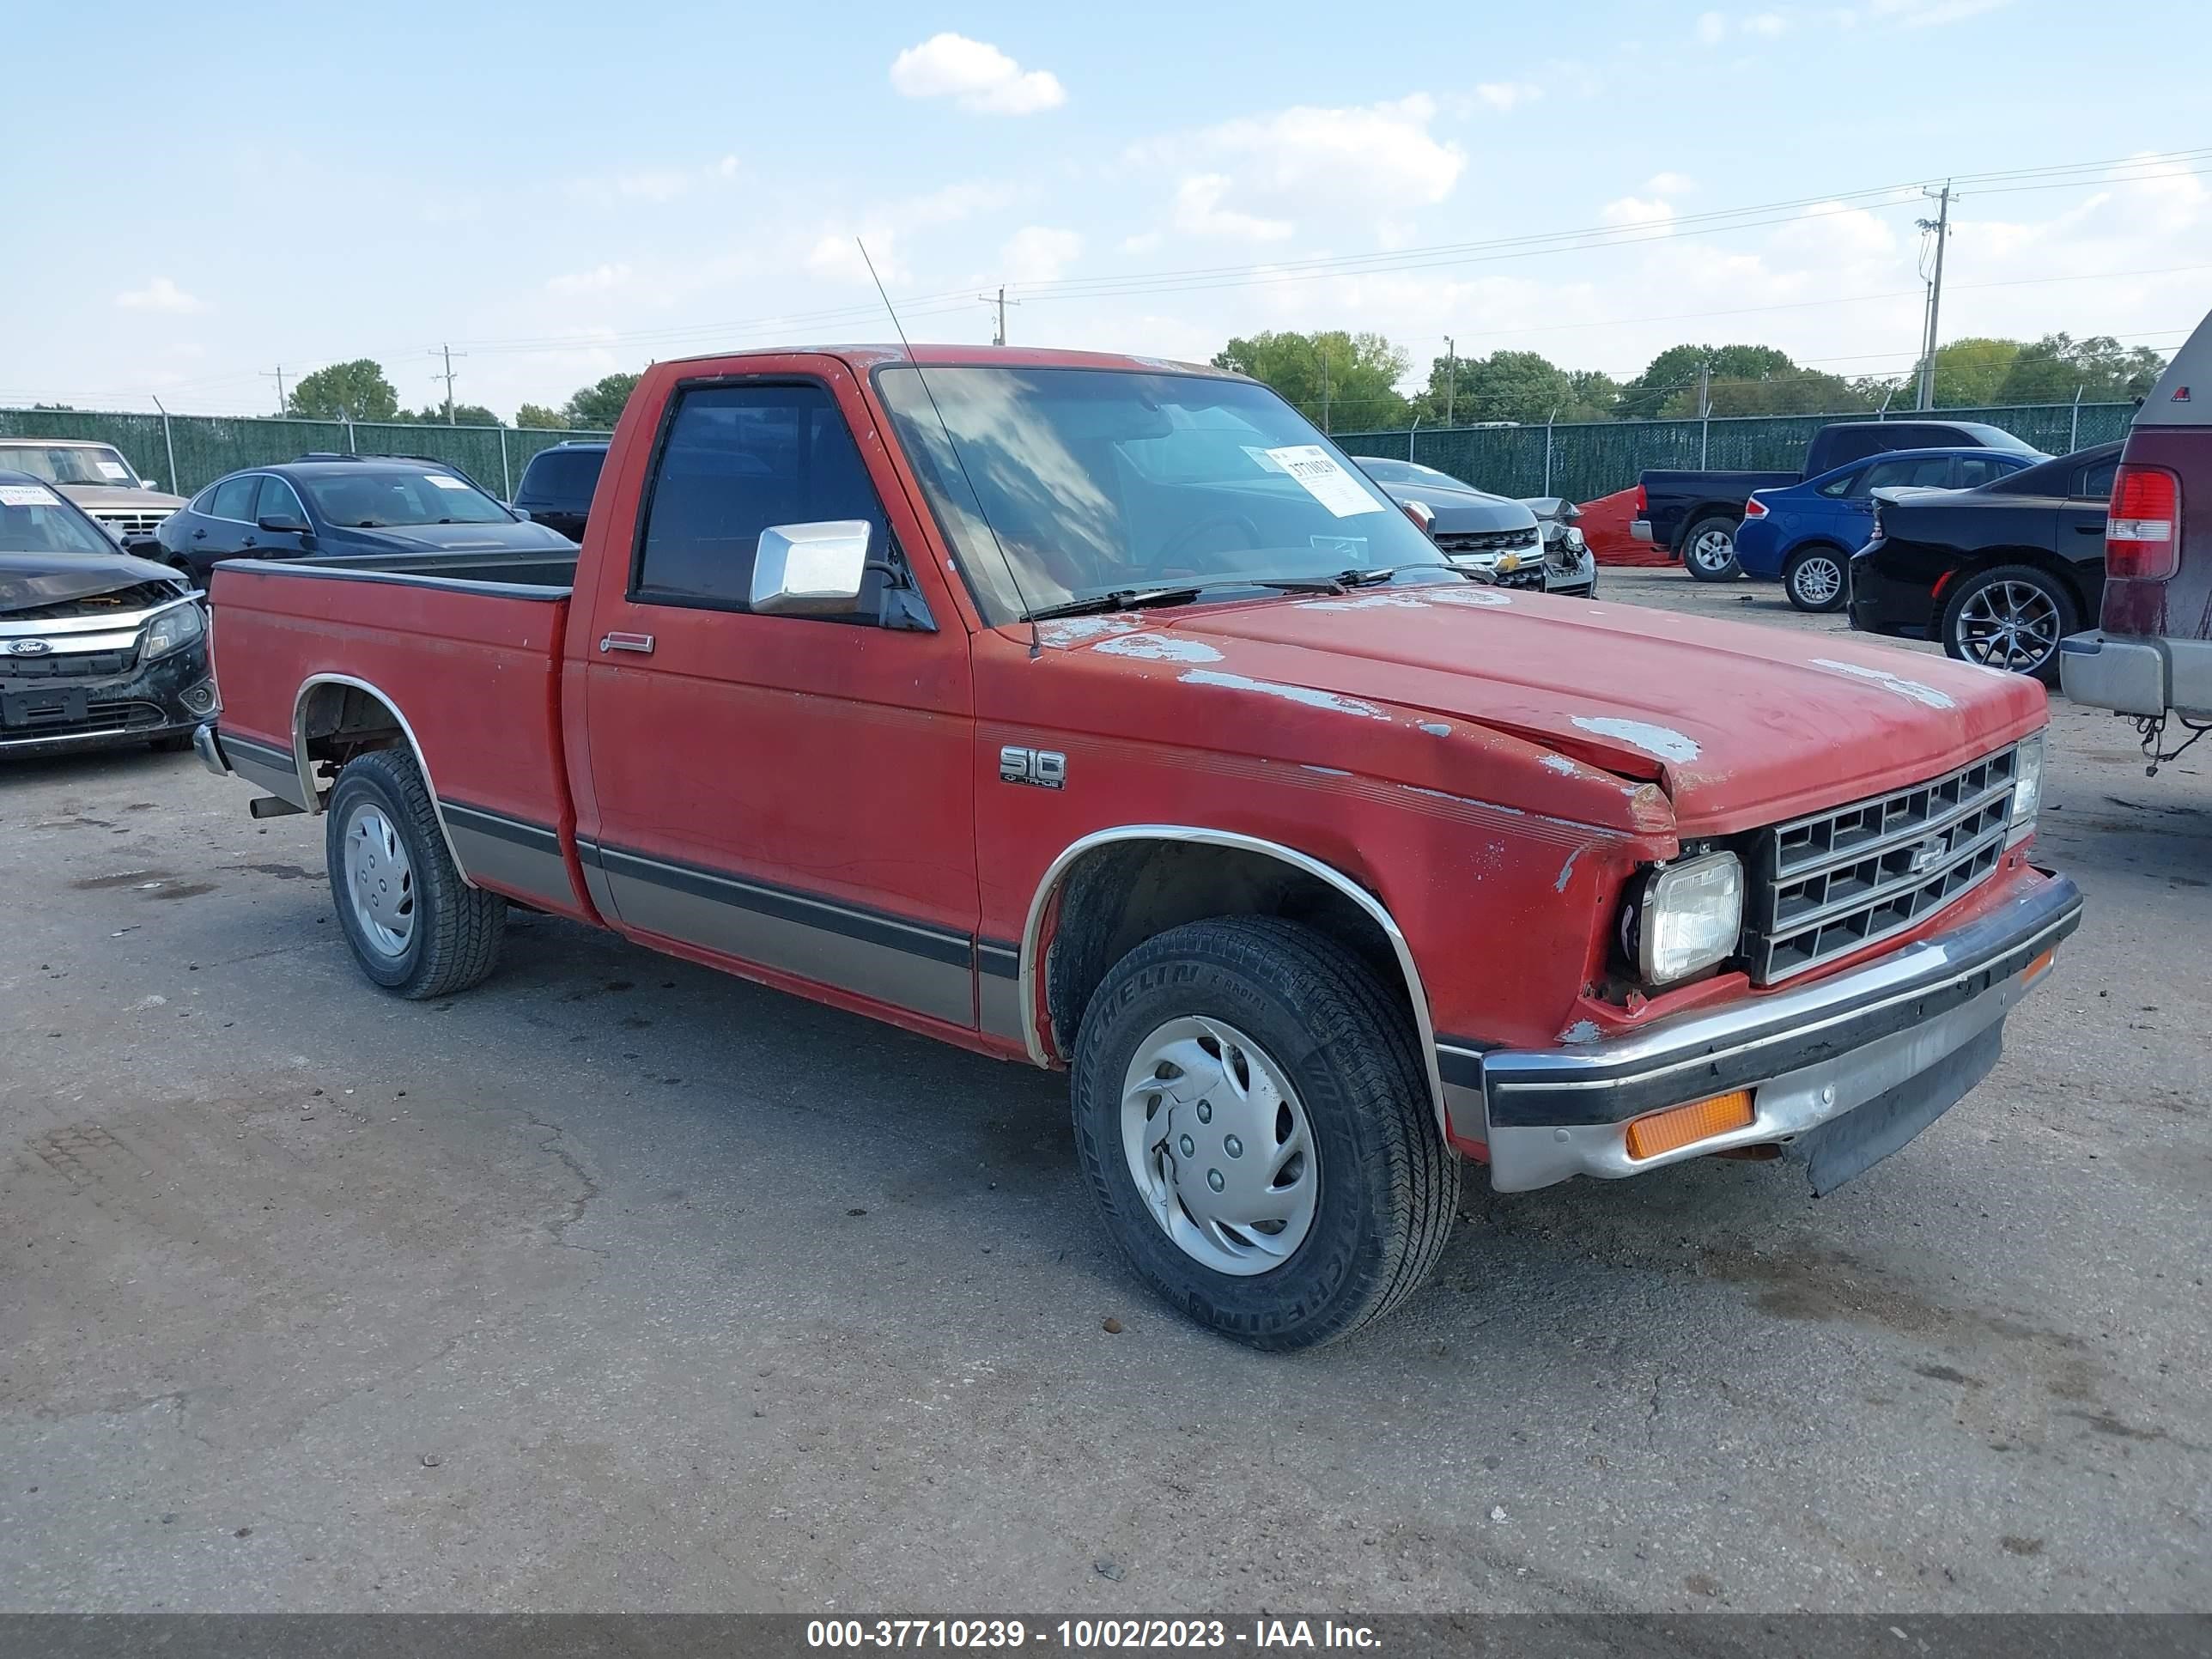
x=132, y=523
x=140, y=596
x=104, y=715
x=77, y=666
x=1828, y=885
x=1464, y=542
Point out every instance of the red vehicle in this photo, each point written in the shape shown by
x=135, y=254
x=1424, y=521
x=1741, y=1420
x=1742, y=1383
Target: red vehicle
x=1096, y=712
x=2152, y=659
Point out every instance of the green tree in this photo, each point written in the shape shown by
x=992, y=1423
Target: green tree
x=1361, y=380
x=536, y=416
x=463, y=415
x=1971, y=373
x=599, y=405
x=1514, y=385
x=344, y=392
x=2054, y=368
x=1745, y=379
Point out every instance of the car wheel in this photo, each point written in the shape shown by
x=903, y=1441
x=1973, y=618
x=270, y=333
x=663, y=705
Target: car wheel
x=1254, y=1121
x=1813, y=578
x=416, y=928
x=2011, y=617
x=1709, y=550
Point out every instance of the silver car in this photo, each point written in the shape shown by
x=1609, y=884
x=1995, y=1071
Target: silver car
x=96, y=477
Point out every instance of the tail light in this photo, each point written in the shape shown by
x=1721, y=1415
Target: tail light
x=1643, y=502
x=2142, y=539
x=1754, y=508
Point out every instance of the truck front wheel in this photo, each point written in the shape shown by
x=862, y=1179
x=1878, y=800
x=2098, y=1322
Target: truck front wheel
x=416, y=928
x=1255, y=1121
x=1709, y=548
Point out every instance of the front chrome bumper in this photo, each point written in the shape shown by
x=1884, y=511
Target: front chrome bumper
x=1809, y=1056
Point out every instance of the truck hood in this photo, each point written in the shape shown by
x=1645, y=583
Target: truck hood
x=112, y=496
x=29, y=581
x=1742, y=724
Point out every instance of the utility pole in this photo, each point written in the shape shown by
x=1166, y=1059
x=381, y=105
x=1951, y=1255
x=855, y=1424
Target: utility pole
x=1324, y=390
x=1451, y=375
x=1941, y=225
x=446, y=375
x=277, y=375
x=1704, y=412
x=1000, y=303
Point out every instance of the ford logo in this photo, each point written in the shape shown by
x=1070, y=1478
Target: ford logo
x=29, y=647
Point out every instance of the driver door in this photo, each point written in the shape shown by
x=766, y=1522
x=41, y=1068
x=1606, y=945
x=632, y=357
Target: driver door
x=788, y=795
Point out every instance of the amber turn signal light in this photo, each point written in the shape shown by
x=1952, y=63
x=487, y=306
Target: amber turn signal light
x=2040, y=963
x=1678, y=1125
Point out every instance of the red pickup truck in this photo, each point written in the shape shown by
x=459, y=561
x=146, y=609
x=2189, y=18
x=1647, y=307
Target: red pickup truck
x=1098, y=712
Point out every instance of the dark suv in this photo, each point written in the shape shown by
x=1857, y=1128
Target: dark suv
x=557, y=486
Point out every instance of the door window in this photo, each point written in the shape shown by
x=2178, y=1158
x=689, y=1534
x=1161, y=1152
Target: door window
x=1980, y=469
x=233, y=498
x=279, y=500
x=737, y=460
x=1836, y=489
x=1929, y=470
x=2096, y=481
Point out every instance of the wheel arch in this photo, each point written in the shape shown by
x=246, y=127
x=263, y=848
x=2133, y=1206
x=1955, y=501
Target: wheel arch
x=1987, y=559
x=334, y=716
x=1086, y=857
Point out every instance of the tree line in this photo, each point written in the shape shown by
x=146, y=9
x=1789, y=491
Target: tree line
x=361, y=391
x=1355, y=379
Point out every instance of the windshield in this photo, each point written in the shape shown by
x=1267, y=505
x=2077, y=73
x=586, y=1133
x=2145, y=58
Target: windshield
x=70, y=464
x=33, y=519
x=1385, y=471
x=1099, y=481
x=388, y=499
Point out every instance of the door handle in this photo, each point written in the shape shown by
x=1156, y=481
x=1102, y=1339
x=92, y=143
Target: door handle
x=641, y=643
x=2096, y=529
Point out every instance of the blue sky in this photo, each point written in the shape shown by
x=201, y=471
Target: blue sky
x=559, y=189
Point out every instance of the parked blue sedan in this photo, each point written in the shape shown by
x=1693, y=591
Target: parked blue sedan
x=1805, y=533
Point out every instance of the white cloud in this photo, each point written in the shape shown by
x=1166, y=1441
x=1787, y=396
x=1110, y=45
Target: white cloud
x=654, y=186
x=600, y=279
x=1635, y=210
x=1506, y=95
x=1039, y=253
x=1711, y=26
x=1199, y=212
x=836, y=258
x=1927, y=14
x=975, y=74
x=160, y=294
x=1765, y=24
x=1142, y=242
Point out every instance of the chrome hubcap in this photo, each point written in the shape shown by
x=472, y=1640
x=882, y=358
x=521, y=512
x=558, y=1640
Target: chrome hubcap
x=1819, y=580
x=380, y=881
x=2011, y=625
x=1713, y=550
x=1219, y=1146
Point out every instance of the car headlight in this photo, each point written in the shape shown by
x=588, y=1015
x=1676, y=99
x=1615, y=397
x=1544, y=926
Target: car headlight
x=1688, y=916
x=2027, y=789
x=172, y=630
x=1576, y=542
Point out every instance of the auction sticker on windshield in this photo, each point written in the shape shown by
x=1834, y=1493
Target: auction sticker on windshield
x=112, y=469
x=445, y=482
x=28, y=495
x=1324, y=480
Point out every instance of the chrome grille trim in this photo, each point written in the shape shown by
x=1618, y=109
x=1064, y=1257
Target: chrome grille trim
x=1832, y=882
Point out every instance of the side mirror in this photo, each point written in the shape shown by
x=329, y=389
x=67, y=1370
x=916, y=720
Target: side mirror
x=282, y=524
x=154, y=484
x=811, y=569
x=1423, y=515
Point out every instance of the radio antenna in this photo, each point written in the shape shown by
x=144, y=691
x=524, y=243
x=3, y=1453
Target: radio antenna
x=1037, y=644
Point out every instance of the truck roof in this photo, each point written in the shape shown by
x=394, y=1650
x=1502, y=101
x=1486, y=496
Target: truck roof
x=2173, y=401
x=864, y=357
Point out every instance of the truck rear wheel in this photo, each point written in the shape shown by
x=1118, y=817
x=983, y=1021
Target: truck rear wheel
x=416, y=928
x=1709, y=548
x=1255, y=1121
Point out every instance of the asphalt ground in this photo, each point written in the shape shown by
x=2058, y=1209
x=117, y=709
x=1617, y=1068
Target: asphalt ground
x=619, y=1285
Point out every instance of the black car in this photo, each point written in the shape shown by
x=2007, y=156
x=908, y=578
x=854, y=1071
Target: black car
x=345, y=504
x=2001, y=573
x=1494, y=535
x=557, y=486
x=97, y=648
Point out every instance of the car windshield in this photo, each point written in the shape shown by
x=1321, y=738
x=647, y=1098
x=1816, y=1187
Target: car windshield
x=390, y=498
x=1098, y=482
x=1385, y=471
x=33, y=519
x=70, y=464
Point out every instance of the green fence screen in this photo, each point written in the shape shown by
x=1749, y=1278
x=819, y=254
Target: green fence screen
x=187, y=451
x=1587, y=460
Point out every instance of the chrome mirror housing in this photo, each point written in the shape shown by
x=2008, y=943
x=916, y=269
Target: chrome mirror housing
x=811, y=569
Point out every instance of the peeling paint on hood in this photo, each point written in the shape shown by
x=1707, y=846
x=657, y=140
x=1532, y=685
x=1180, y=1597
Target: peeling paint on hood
x=1299, y=694
x=1660, y=742
x=1926, y=695
x=1157, y=647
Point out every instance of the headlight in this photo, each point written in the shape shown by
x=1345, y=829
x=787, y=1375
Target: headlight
x=2027, y=789
x=1690, y=916
x=172, y=630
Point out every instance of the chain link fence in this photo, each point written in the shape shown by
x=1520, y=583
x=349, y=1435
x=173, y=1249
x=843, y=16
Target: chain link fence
x=188, y=452
x=1585, y=460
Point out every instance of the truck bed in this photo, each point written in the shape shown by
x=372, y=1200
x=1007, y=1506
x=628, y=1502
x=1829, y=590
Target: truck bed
x=464, y=652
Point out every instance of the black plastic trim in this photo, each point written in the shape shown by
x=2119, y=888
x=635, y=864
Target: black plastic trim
x=522, y=832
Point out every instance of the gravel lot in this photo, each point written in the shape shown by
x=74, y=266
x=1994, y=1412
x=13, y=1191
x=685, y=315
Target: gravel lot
x=618, y=1284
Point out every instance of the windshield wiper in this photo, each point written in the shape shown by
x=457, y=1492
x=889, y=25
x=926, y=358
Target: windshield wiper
x=1122, y=599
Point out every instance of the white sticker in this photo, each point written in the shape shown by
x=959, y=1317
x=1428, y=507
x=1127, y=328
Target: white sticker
x=1324, y=480
x=28, y=495
x=446, y=481
x=1261, y=459
x=113, y=469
